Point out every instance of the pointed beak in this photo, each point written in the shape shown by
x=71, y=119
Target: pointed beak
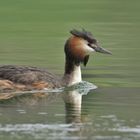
x=99, y=49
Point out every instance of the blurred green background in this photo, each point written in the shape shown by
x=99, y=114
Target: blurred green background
x=33, y=32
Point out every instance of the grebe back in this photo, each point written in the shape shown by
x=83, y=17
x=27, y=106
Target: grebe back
x=77, y=50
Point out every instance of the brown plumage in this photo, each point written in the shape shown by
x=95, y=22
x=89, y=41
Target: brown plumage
x=27, y=78
x=77, y=50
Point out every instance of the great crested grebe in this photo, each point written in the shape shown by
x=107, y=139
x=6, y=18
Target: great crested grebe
x=77, y=50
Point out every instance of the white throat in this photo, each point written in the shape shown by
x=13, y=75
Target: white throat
x=74, y=77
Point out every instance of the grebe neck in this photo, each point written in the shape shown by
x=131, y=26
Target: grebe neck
x=72, y=73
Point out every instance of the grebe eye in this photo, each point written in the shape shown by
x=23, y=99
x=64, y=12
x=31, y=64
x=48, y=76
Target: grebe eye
x=89, y=44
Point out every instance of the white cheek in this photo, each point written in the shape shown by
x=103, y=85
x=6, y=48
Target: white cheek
x=88, y=49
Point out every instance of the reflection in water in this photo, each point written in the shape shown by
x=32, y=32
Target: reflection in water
x=34, y=114
x=29, y=122
x=41, y=115
x=73, y=101
x=72, y=97
x=30, y=97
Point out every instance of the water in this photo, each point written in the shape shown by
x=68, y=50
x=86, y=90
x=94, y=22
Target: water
x=105, y=113
x=33, y=33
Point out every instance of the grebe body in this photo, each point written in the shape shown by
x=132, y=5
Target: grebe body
x=27, y=78
x=77, y=50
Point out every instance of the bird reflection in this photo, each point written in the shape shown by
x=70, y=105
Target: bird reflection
x=72, y=98
x=73, y=101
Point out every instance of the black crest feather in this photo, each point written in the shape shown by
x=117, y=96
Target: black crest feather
x=84, y=34
x=86, y=60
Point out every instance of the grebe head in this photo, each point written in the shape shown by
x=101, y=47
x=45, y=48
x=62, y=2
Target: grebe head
x=79, y=46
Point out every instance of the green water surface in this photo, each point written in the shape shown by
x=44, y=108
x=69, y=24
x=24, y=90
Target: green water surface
x=33, y=32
